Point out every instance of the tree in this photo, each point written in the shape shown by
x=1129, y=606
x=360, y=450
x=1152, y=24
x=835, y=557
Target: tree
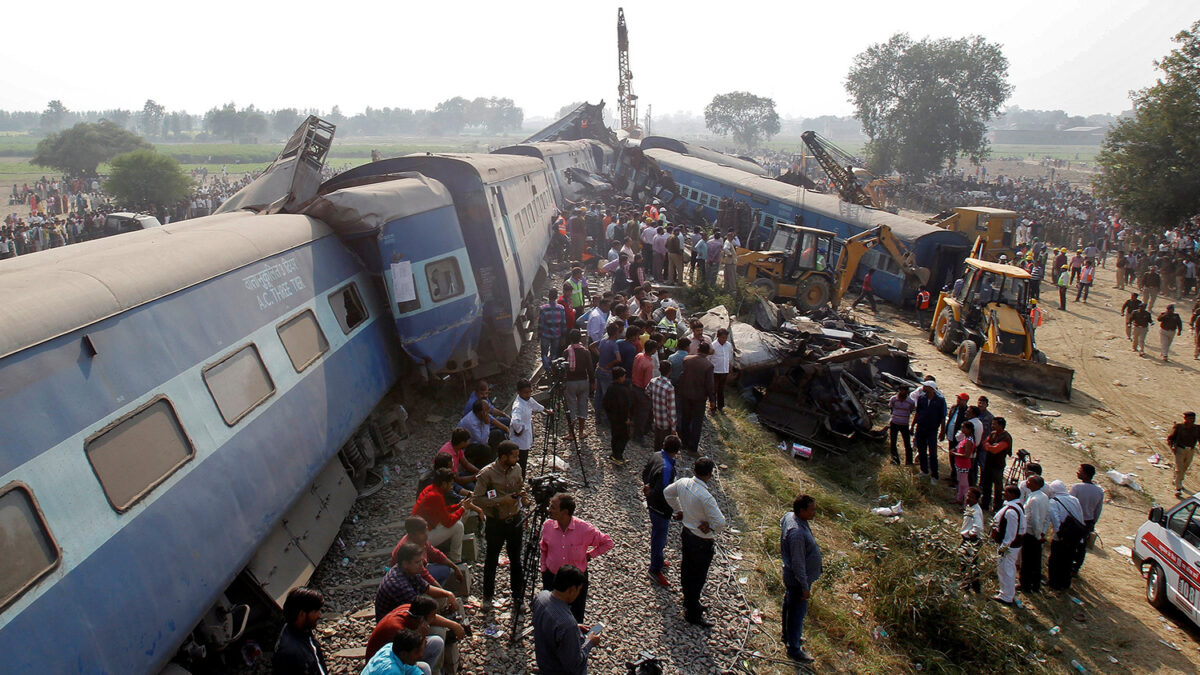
x=80, y=149
x=924, y=104
x=748, y=118
x=151, y=118
x=144, y=179
x=118, y=117
x=55, y=116
x=1151, y=162
x=450, y=116
x=285, y=121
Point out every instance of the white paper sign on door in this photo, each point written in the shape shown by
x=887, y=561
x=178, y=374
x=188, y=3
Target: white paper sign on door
x=403, y=289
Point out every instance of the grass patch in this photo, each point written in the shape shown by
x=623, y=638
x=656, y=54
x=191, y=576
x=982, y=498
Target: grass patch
x=889, y=598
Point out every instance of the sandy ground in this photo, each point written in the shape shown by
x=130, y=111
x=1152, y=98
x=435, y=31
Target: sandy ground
x=1121, y=410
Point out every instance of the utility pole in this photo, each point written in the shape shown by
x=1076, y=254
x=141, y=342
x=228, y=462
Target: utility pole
x=646, y=127
x=626, y=99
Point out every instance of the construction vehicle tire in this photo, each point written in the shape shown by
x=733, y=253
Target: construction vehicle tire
x=943, y=326
x=765, y=287
x=966, y=354
x=812, y=293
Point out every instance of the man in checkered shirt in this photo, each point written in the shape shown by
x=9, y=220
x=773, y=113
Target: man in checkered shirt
x=552, y=320
x=662, y=404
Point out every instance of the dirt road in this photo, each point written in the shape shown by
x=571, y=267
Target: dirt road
x=1122, y=407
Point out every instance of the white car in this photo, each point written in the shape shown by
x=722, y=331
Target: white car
x=1167, y=551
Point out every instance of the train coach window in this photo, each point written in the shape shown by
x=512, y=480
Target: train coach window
x=239, y=383
x=445, y=279
x=29, y=549
x=303, y=339
x=139, y=451
x=348, y=307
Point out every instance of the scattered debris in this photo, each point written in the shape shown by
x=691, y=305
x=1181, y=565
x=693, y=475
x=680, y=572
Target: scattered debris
x=1124, y=551
x=888, y=511
x=1126, y=479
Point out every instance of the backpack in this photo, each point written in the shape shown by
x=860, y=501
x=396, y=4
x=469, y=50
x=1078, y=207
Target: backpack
x=1071, y=530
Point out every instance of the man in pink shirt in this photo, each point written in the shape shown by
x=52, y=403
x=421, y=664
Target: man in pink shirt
x=567, y=540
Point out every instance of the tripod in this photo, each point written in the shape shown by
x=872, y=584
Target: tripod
x=1016, y=471
x=543, y=489
x=556, y=403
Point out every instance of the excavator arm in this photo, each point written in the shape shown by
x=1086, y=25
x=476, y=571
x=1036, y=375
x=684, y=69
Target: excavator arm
x=842, y=177
x=854, y=248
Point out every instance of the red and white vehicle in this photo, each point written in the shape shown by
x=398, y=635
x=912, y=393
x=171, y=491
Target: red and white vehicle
x=1167, y=551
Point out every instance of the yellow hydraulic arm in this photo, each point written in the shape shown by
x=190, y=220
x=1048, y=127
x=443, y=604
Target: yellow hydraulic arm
x=857, y=246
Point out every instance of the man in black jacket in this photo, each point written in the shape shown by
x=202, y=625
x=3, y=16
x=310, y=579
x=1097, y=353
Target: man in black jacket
x=618, y=405
x=297, y=652
x=658, y=473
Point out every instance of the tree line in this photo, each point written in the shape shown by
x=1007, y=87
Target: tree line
x=248, y=123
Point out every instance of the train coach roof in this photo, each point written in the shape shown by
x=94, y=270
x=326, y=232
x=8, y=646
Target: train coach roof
x=701, y=152
x=906, y=229
x=546, y=148
x=356, y=209
x=491, y=168
x=51, y=293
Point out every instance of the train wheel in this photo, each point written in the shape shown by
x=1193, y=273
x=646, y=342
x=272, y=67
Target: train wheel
x=811, y=293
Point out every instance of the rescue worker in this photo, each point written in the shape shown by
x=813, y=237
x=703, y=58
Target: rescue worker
x=579, y=289
x=1035, y=320
x=922, y=306
x=1086, y=274
x=669, y=326
x=1063, y=282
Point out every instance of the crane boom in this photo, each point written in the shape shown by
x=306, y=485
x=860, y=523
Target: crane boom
x=626, y=99
x=842, y=176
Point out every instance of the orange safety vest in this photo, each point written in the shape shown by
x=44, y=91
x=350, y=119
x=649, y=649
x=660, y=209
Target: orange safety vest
x=1035, y=316
x=922, y=299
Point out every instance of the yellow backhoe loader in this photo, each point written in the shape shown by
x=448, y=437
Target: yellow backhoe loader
x=986, y=326
x=997, y=227
x=800, y=264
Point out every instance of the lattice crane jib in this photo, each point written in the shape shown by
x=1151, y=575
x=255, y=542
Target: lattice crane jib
x=626, y=99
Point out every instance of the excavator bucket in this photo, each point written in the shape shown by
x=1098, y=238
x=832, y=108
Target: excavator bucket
x=1022, y=376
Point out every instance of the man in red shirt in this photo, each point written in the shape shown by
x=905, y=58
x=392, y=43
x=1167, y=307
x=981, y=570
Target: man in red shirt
x=567, y=540
x=445, y=520
x=868, y=293
x=419, y=616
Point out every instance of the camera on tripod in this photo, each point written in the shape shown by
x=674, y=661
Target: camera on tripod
x=558, y=369
x=1022, y=455
x=544, y=487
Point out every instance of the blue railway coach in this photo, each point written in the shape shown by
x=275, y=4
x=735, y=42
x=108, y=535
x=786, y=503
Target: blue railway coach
x=167, y=398
x=702, y=184
x=504, y=207
x=560, y=156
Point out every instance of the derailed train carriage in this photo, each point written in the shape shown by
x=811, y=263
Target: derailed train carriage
x=697, y=186
x=173, y=401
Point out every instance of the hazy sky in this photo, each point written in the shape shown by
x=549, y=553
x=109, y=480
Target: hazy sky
x=1082, y=57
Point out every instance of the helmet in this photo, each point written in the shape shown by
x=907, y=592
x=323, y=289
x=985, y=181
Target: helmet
x=1033, y=301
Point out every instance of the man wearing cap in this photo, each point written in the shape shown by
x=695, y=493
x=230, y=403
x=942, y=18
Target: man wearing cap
x=1150, y=283
x=927, y=422
x=1182, y=440
x=1063, y=281
x=1127, y=311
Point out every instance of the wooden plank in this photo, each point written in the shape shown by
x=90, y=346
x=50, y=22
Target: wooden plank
x=351, y=653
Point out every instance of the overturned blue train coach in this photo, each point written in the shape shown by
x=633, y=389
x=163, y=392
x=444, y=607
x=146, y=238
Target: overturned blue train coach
x=700, y=184
x=178, y=405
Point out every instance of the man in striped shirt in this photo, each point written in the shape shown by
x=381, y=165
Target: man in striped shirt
x=552, y=321
x=662, y=404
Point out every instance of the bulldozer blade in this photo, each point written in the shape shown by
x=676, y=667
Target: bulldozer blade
x=1020, y=376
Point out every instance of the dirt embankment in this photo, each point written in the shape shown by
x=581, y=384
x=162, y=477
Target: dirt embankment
x=1121, y=410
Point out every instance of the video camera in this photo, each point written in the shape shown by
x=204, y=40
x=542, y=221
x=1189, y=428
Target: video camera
x=558, y=369
x=544, y=487
x=645, y=665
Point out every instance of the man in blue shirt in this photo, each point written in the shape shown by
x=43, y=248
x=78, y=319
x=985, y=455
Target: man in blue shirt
x=597, y=319
x=558, y=640
x=801, y=567
x=552, y=320
x=658, y=473
x=927, y=423
x=607, y=355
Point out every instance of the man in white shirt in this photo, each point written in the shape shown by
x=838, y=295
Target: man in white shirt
x=722, y=359
x=702, y=519
x=1066, y=535
x=1010, y=521
x=972, y=535
x=1037, y=521
x=597, y=320
x=521, y=426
